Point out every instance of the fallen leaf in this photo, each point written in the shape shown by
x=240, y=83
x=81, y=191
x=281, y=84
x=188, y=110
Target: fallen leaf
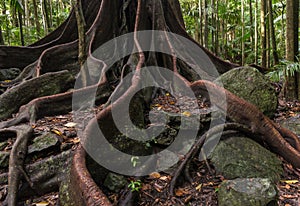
x=290, y=181
x=42, y=204
x=56, y=131
x=180, y=192
x=198, y=188
x=70, y=124
x=164, y=178
x=154, y=175
x=186, y=113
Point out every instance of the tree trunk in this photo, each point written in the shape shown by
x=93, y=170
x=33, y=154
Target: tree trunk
x=46, y=20
x=81, y=40
x=200, y=10
x=36, y=17
x=292, y=19
x=206, y=32
x=243, y=32
x=251, y=25
x=20, y=19
x=1, y=37
x=272, y=33
x=256, y=33
x=263, y=34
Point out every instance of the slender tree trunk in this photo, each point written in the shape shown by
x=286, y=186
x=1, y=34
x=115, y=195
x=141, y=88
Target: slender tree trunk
x=290, y=88
x=36, y=17
x=46, y=21
x=1, y=37
x=81, y=40
x=217, y=28
x=200, y=9
x=27, y=13
x=272, y=33
x=296, y=29
x=6, y=22
x=263, y=34
x=268, y=44
x=256, y=33
x=50, y=2
x=251, y=25
x=205, y=24
x=283, y=22
x=1, y=23
x=197, y=28
x=20, y=18
x=296, y=47
x=243, y=32
x=213, y=25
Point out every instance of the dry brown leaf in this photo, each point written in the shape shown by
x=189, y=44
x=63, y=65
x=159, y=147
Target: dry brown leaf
x=42, y=203
x=180, y=192
x=290, y=181
x=186, y=113
x=199, y=187
x=164, y=178
x=154, y=175
x=56, y=131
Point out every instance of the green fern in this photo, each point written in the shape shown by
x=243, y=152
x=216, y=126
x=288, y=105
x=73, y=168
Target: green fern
x=284, y=69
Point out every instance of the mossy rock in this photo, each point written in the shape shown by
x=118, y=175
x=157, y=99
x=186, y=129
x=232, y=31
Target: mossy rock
x=249, y=84
x=247, y=192
x=241, y=157
x=292, y=123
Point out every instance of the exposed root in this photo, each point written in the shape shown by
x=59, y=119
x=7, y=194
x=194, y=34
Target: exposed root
x=198, y=145
x=245, y=113
x=55, y=104
x=85, y=189
x=45, y=175
x=129, y=198
x=16, y=162
x=21, y=94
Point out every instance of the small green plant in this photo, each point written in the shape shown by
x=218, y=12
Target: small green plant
x=134, y=161
x=284, y=69
x=135, y=185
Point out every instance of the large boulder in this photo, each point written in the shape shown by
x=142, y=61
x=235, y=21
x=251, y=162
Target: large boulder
x=247, y=192
x=292, y=123
x=249, y=84
x=241, y=157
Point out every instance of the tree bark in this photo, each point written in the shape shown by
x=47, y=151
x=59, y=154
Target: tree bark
x=291, y=87
x=1, y=37
x=272, y=33
x=20, y=18
x=263, y=34
x=36, y=18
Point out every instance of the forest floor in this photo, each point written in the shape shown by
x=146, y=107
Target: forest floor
x=204, y=187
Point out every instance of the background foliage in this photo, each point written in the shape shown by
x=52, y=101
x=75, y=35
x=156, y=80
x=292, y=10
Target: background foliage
x=230, y=29
x=49, y=15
